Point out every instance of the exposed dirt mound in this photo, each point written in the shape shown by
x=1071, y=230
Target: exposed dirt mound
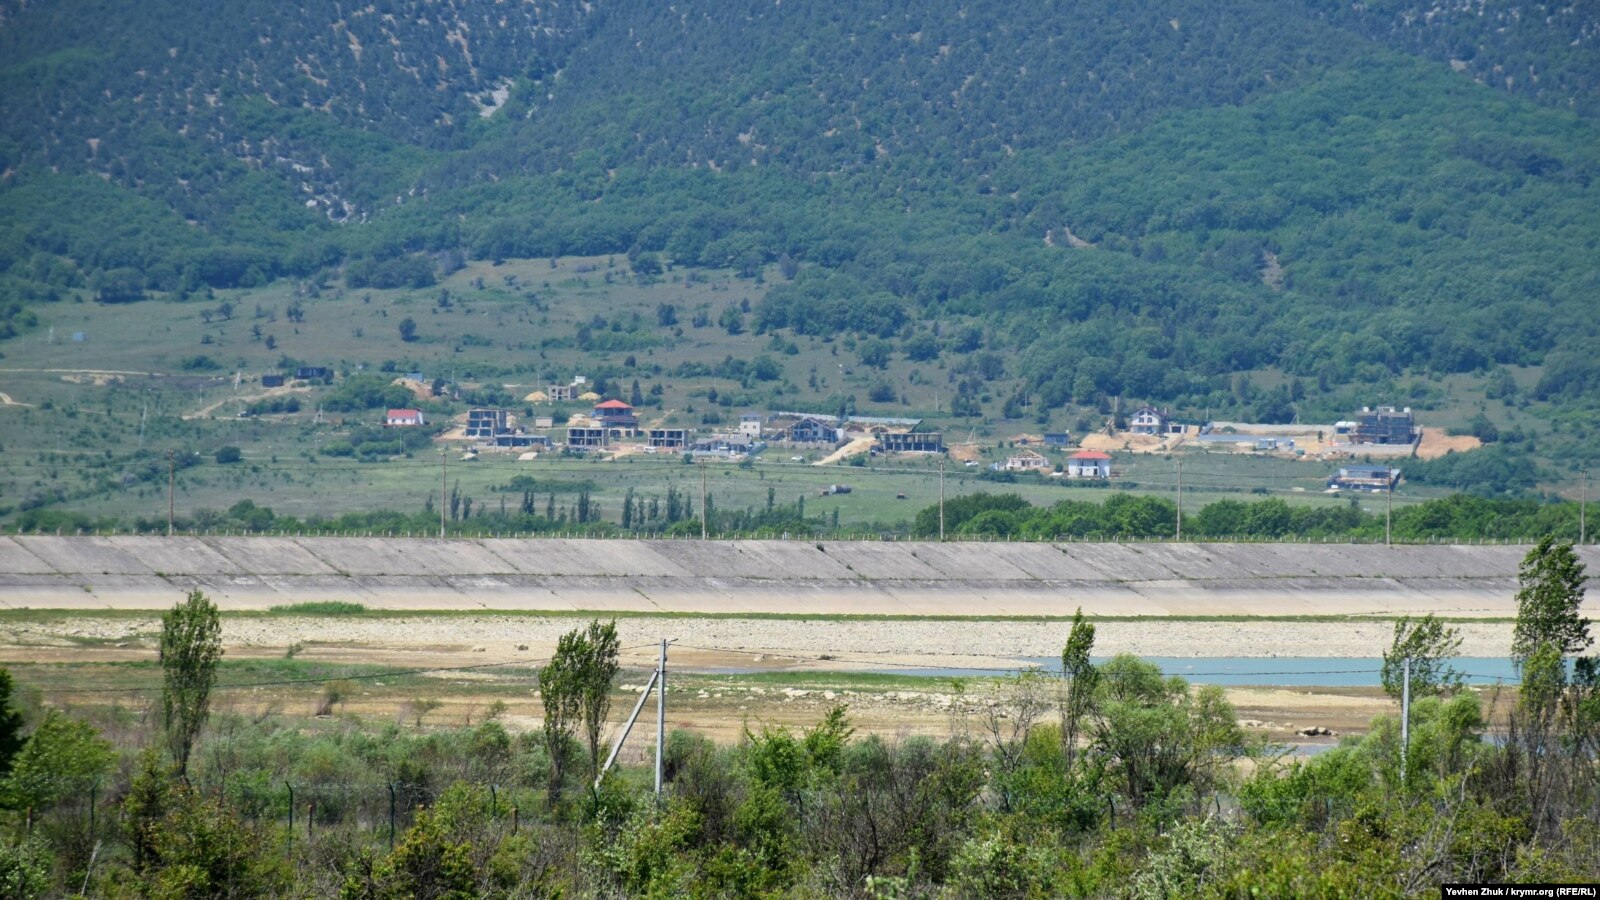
x=859, y=445
x=422, y=389
x=1136, y=443
x=1436, y=443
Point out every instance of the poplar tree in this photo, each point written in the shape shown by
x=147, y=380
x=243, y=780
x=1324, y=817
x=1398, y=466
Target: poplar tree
x=191, y=648
x=596, y=670
x=1548, y=603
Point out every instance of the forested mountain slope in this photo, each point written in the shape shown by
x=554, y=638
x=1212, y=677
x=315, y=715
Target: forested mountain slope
x=1141, y=199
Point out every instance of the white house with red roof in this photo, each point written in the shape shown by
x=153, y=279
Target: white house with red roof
x=1089, y=464
x=404, y=417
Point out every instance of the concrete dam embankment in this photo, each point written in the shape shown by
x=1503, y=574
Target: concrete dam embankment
x=741, y=577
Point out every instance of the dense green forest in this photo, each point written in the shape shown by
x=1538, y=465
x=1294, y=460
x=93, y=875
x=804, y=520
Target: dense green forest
x=1138, y=202
x=1106, y=779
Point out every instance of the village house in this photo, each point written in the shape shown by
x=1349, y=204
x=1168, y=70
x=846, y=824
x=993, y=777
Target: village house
x=853, y=427
x=615, y=414
x=725, y=445
x=314, y=373
x=803, y=431
x=1148, y=420
x=566, y=393
x=1027, y=461
x=487, y=423
x=521, y=439
x=1385, y=425
x=1089, y=464
x=911, y=442
x=750, y=425
x=667, y=438
x=1365, y=478
x=1056, y=439
x=272, y=380
x=585, y=436
x=404, y=418
x=1158, y=422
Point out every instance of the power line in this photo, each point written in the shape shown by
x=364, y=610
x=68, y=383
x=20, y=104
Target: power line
x=397, y=673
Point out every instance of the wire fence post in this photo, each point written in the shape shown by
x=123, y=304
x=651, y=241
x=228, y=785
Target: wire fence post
x=1405, y=716
x=291, y=813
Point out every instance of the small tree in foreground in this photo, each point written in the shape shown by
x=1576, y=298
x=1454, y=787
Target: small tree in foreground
x=191, y=648
x=10, y=724
x=1080, y=675
x=597, y=669
x=558, y=692
x=1548, y=602
x=1429, y=644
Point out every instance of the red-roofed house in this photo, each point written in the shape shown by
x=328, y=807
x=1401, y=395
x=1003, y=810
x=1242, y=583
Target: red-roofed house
x=404, y=417
x=615, y=414
x=1089, y=464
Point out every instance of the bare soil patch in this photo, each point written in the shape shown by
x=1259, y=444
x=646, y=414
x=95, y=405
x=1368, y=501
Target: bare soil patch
x=1436, y=443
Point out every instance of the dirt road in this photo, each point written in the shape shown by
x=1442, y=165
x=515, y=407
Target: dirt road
x=210, y=408
x=855, y=447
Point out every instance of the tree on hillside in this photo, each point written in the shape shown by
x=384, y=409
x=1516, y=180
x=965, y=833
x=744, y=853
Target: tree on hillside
x=408, y=329
x=1429, y=644
x=1548, y=603
x=191, y=648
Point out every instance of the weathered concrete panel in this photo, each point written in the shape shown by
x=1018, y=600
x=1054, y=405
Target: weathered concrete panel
x=177, y=555
x=583, y=558
x=968, y=562
x=716, y=558
x=15, y=559
x=92, y=555
x=271, y=556
x=363, y=556
x=874, y=560
x=796, y=560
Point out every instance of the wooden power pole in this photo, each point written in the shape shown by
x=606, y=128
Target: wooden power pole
x=941, y=499
x=172, y=478
x=1180, y=501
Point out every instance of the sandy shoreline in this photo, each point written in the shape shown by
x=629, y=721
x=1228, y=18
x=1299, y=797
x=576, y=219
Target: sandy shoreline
x=723, y=642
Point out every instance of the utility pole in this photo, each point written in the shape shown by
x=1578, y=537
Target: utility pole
x=444, y=479
x=1180, y=500
x=1583, y=503
x=941, y=498
x=1388, y=508
x=1405, y=715
x=172, y=478
x=661, y=713
x=704, y=525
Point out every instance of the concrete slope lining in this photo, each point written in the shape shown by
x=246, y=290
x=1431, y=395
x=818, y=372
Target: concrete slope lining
x=741, y=577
